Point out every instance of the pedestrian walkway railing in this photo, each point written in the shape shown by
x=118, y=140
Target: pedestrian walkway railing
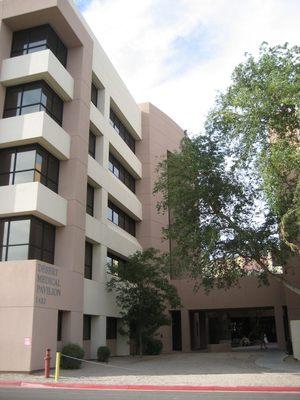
x=96, y=363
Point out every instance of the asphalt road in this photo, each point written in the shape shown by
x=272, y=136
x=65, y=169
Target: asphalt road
x=58, y=394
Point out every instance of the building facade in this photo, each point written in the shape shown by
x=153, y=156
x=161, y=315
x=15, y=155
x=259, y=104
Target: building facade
x=68, y=172
x=200, y=323
x=78, y=162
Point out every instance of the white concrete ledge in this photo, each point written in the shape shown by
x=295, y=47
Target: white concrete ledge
x=33, y=199
x=98, y=301
x=35, y=66
x=111, y=236
x=39, y=128
x=117, y=190
x=117, y=145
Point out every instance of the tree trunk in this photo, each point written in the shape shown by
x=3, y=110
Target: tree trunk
x=141, y=343
x=279, y=278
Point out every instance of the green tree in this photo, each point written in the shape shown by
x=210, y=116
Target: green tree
x=259, y=116
x=143, y=293
x=230, y=190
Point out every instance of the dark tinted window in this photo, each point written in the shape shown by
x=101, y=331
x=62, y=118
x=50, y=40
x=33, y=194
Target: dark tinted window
x=121, y=173
x=111, y=328
x=28, y=164
x=92, y=145
x=59, y=325
x=88, y=261
x=90, y=200
x=26, y=238
x=122, y=130
x=33, y=97
x=114, y=261
x=94, y=94
x=87, y=322
x=121, y=219
x=37, y=39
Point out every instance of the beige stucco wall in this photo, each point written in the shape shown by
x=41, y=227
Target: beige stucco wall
x=295, y=334
x=31, y=294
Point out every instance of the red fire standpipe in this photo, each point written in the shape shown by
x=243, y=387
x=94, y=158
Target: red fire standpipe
x=47, y=360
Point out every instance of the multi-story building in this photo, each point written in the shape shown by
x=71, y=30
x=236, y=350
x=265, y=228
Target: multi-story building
x=77, y=169
x=68, y=176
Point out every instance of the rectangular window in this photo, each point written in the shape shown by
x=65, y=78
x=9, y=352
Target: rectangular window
x=90, y=200
x=59, y=325
x=122, y=130
x=36, y=39
x=121, y=219
x=26, y=238
x=94, y=94
x=88, y=261
x=33, y=97
x=92, y=145
x=111, y=328
x=28, y=164
x=114, y=261
x=87, y=324
x=121, y=173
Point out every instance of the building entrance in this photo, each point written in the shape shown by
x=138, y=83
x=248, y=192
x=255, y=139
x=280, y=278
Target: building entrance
x=233, y=327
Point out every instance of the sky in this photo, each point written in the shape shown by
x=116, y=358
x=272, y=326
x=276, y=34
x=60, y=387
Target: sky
x=178, y=54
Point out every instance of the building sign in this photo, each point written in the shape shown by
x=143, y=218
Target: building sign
x=27, y=341
x=47, y=284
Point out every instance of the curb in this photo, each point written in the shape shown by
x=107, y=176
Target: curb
x=153, y=388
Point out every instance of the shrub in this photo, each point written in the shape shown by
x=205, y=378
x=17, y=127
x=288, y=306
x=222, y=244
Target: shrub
x=103, y=353
x=152, y=346
x=73, y=350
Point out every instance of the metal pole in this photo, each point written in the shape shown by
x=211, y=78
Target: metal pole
x=47, y=360
x=57, y=366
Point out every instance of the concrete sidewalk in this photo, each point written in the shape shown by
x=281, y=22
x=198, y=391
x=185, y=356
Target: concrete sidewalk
x=250, y=368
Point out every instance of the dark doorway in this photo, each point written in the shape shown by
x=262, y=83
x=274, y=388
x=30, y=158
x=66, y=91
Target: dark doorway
x=176, y=330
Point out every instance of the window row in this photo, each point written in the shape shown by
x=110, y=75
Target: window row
x=121, y=219
x=111, y=326
x=121, y=173
x=26, y=238
x=122, y=130
x=33, y=97
x=28, y=164
x=36, y=39
x=112, y=261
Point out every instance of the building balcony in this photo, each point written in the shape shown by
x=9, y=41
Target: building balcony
x=33, y=199
x=42, y=65
x=111, y=236
x=117, y=190
x=117, y=146
x=37, y=127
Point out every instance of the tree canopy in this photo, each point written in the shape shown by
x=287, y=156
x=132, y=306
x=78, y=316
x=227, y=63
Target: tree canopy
x=233, y=192
x=143, y=293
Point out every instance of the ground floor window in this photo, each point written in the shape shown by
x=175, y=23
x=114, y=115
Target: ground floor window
x=59, y=325
x=111, y=328
x=87, y=325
